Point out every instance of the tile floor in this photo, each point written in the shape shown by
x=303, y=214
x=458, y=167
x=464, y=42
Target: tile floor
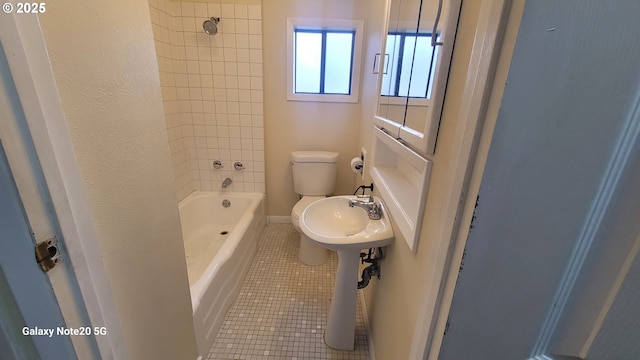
x=281, y=310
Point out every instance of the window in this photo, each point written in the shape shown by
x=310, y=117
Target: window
x=412, y=63
x=323, y=59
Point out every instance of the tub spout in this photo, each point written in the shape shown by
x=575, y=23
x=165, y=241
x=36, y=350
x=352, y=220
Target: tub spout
x=226, y=183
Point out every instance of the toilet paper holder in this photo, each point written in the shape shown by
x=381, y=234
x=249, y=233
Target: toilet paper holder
x=357, y=165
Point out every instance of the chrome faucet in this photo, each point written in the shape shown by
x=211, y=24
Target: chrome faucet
x=374, y=210
x=226, y=182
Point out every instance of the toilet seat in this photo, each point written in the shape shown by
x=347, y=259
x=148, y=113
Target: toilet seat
x=299, y=207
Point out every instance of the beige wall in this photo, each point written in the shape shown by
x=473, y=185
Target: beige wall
x=294, y=125
x=105, y=68
x=393, y=302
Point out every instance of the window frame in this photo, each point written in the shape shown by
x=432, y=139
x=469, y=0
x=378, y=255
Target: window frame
x=355, y=26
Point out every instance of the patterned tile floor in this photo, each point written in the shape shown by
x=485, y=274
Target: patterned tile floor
x=281, y=310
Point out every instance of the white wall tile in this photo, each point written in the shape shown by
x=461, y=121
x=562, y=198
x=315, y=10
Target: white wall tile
x=201, y=10
x=243, y=55
x=232, y=94
x=258, y=148
x=234, y=119
x=207, y=93
x=228, y=11
x=212, y=92
x=244, y=95
x=255, y=56
x=208, y=107
x=187, y=9
x=214, y=9
x=242, y=26
x=241, y=11
x=205, y=67
x=230, y=56
x=233, y=107
x=254, y=12
x=256, y=70
x=227, y=26
x=255, y=41
x=255, y=27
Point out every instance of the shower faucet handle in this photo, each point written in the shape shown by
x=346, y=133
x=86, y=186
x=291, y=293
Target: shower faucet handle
x=217, y=164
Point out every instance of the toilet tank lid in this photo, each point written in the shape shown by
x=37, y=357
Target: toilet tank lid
x=314, y=156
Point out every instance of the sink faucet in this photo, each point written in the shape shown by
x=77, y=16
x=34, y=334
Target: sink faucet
x=226, y=182
x=374, y=210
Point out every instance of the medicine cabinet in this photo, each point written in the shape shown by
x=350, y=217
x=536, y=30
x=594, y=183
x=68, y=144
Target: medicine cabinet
x=413, y=68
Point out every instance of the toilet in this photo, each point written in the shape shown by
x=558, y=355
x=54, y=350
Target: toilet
x=314, y=177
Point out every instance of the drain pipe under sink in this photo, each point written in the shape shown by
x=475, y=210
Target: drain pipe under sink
x=371, y=270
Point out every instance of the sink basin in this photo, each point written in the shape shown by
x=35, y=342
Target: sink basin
x=331, y=223
x=334, y=225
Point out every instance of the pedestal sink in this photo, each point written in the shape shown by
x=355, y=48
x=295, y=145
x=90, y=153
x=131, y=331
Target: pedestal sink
x=333, y=224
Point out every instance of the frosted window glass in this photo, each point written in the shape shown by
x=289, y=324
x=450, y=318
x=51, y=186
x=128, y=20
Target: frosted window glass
x=411, y=66
x=337, y=76
x=407, y=59
x=389, y=79
x=308, y=52
x=421, y=67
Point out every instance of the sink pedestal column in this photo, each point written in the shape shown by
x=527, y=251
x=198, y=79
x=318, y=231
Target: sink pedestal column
x=341, y=324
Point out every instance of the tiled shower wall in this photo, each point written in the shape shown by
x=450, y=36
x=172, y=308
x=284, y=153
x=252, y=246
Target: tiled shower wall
x=212, y=93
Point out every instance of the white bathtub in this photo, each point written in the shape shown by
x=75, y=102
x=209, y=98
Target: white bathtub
x=220, y=244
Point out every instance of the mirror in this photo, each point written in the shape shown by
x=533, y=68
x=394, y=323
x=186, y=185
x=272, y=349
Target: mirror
x=413, y=71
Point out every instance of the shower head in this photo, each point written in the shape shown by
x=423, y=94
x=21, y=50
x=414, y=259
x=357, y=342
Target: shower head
x=210, y=26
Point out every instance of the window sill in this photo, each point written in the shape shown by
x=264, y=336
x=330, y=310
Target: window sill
x=323, y=98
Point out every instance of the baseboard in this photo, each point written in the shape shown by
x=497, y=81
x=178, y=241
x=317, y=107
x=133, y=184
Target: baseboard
x=365, y=315
x=273, y=219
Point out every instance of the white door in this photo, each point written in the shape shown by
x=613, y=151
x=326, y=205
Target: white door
x=34, y=134
x=29, y=312
x=28, y=217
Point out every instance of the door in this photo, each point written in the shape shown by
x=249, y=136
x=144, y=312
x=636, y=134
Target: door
x=26, y=204
x=557, y=195
x=29, y=312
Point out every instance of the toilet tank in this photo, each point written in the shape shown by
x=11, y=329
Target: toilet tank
x=314, y=172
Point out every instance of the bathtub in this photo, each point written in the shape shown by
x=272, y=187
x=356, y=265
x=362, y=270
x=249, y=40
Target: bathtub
x=220, y=243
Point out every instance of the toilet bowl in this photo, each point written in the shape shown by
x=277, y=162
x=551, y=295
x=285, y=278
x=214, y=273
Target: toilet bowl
x=310, y=252
x=314, y=177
